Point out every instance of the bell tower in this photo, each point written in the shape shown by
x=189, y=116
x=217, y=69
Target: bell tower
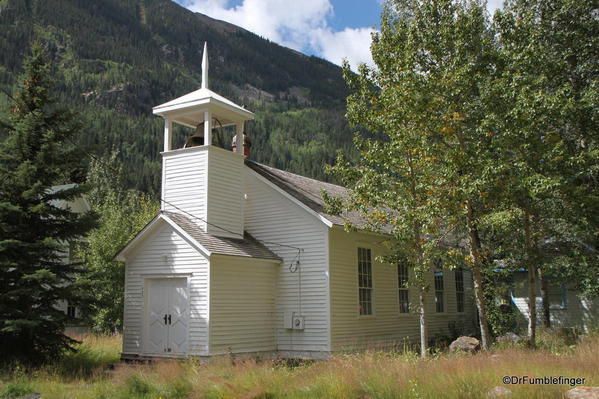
x=202, y=180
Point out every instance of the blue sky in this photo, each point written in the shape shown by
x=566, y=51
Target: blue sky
x=355, y=14
x=331, y=29
x=346, y=13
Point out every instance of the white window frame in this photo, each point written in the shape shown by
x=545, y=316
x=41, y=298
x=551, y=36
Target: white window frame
x=359, y=287
x=404, y=288
x=442, y=291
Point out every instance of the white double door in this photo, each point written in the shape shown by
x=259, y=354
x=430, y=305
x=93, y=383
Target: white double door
x=167, y=316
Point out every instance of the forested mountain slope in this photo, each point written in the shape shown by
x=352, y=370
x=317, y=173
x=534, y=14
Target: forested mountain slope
x=115, y=59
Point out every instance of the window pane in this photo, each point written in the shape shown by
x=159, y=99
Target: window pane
x=459, y=289
x=439, y=301
x=459, y=280
x=365, y=281
x=402, y=282
x=438, y=281
x=439, y=287
x=402, y=275
x=460, y=301
x=404, y=301
x=365, y=301
x=367, y=295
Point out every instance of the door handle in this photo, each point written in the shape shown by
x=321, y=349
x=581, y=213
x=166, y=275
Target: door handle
x=169, y=319
x=164, y=319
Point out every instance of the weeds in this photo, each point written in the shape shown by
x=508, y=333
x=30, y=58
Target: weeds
x=370, y=374
x=15, y=389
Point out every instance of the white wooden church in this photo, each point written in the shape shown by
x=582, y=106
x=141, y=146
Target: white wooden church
x=243, y=259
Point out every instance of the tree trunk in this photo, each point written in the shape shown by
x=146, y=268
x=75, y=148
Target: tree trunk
x=545, y=296
x=417, y=229
x=474, y=244
x=423, y=325
x=532, y=283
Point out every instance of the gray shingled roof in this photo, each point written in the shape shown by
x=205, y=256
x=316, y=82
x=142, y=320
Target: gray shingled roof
x=248, y=247
x=308, y=191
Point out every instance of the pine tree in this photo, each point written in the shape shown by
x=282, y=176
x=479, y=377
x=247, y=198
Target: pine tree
x=34, y=231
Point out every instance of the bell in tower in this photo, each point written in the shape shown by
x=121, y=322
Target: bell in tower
x=197, y=138
x=194, y=177
x=207, y=112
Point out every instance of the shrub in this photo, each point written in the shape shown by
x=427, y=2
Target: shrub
x=93, y=355
x=16, y=389
x=137, y=384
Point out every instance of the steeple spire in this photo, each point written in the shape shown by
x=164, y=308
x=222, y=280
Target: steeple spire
x=205, y=67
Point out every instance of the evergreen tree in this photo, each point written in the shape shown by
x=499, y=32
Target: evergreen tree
x=114, y=79
x=35, y=231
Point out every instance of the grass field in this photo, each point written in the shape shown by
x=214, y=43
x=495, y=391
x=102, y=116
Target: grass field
x=366, y=375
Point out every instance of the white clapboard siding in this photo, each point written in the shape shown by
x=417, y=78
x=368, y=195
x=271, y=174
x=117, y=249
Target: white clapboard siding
x=387, y=326
x=271, y=216
x=206, y=181
x=242, y=305
x=572, y=311
x=225, y=193
x=450, y=323
x=164, y=252
x=184, y=181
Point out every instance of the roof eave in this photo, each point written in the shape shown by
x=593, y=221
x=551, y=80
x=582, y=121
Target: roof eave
x=170, y=110
x=140, y=236
x=256, y=258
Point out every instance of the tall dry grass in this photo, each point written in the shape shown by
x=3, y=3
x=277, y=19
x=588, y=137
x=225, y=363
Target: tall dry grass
x=371, y=374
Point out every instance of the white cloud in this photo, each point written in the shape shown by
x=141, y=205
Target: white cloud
x=299, y=24
x=493, y=5
x=351, y=44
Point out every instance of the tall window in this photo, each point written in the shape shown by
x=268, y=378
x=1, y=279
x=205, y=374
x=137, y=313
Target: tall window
x=459, y=289
x=439, y=291
x=404, y=297
x=365, y=280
